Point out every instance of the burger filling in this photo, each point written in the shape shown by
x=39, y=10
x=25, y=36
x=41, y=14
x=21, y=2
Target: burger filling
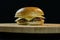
x=33, y=20
x=22, y=20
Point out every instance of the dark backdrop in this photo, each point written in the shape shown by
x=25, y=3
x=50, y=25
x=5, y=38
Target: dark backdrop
x=9, y=7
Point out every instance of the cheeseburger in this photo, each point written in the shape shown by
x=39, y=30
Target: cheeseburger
x=30, y=15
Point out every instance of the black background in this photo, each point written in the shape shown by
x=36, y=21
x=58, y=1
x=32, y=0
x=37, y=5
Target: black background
x=8, y=9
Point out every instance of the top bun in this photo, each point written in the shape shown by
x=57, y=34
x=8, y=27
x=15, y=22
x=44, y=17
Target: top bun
x=29, y=13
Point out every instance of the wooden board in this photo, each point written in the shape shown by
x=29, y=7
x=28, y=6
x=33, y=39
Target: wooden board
x=15, y=28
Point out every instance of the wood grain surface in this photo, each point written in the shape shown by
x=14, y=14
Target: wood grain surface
x=15, y=28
